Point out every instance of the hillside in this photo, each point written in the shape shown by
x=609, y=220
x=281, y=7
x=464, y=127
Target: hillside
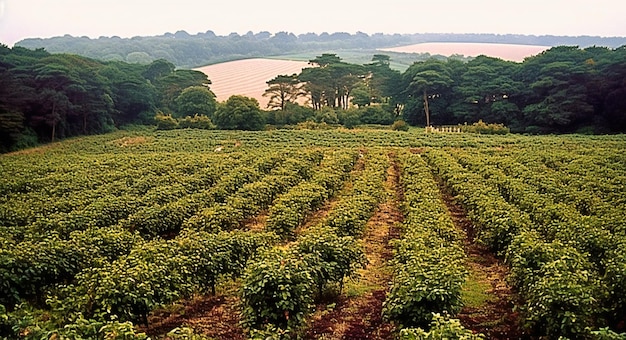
x=248, y=77
x=512, y=52
x=188, y=51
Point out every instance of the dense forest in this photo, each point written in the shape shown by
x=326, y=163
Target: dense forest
x=188, y=51
x=565, y=89
x=47, y=96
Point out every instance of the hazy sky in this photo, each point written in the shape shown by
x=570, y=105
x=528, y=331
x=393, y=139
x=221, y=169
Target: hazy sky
x=21, y=19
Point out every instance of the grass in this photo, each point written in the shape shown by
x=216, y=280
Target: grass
x=475, y=293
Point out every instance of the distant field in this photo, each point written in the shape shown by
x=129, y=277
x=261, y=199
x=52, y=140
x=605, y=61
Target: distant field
x=504, y=51
x=248, y=77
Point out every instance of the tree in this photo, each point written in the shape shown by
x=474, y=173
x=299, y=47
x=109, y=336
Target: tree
x=239, y=113
x=486, y=89
x=195, y=100
x=158, y=68
x=560, y=97
x=427, y=80
x=170, y=86
x=283, y=89
x=332, y=81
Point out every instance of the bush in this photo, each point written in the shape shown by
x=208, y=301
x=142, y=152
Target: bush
x=400, y=125
x=440, y=328
x=196, y=122
x=483, y=128
x=165, y=122
x=276, y=290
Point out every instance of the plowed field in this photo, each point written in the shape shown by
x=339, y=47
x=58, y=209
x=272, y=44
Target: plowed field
x=503, y=51
x=248, y=77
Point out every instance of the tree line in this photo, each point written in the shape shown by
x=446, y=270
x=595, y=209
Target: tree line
x=565, y=89
x=189, y=51
x=46, y=96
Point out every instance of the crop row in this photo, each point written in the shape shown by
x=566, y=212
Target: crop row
x=289, y=210
x=125, y=191
x=152, y=274
x=59, y=256
x=429, y=267
x=568, y=272
x=280, y=286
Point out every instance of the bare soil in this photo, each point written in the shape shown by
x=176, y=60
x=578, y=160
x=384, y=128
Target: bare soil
x=212, y=316
x=360, y=316
x=496, y=318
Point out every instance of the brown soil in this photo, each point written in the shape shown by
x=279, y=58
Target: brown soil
x=495, y=318
x=256, y=223
x=360, y=316
x=316, y=217
x=130, y=141
x=212, y=316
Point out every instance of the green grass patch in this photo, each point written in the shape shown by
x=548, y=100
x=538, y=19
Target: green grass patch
x=475, y=292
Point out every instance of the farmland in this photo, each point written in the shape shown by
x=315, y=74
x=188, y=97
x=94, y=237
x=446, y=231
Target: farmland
x=318, y=234
x=248, y=77
x=510, y=52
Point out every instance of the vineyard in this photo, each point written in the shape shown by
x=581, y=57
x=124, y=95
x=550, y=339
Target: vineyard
x=333, y=234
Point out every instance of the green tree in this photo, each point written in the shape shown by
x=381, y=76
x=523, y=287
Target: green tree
x=485, y=91
x=427, y=80
x=283, y=89
x=170, y=86
x=195, y=100
x=239, y=113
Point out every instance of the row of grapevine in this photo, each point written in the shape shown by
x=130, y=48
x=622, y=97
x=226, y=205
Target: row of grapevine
x=154, y=273
x=254, y=197
x=31, y=214
x=61, y=252
x=59, y=258
x=280, y=286
x=354, y=209
x=564, y=264
x=289, y=210
x=429, y=261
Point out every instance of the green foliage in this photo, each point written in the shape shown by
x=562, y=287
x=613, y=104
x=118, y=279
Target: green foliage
x=481, y=127
x=400, y=125
x=376, y=114
x=165, y=122
x=185, y=333
x=429, y=268
x=440, y=328
x=607, y=334
x=102, y=229
x=196, y=122
x=239, y=113
x=194, y=101
x=336, y=257
x=276, y=290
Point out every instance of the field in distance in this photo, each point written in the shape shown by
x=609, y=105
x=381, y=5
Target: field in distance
x=510, y=52
x=248, y=77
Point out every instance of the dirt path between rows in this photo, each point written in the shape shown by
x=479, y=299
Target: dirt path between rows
x=360, y=316
x=217, y=316
x=494, y=317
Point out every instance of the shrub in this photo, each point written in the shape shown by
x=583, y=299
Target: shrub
x=196, y=122
x=165, y=122
x=400, y=125
x=481, y=127
x=440, y=328
x=276, y=290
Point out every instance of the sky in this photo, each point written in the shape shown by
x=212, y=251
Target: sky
x=21, y=19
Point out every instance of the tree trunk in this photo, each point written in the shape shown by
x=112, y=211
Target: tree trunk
x=54, y=121
x=426, y=109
